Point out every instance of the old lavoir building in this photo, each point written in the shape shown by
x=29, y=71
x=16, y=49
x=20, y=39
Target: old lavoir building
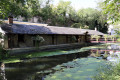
x=22, y=34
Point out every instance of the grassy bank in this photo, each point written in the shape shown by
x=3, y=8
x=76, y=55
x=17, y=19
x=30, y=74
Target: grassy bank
x=109, y=73
x=21, y=57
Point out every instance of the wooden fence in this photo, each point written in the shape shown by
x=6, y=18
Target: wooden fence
x=102, y=40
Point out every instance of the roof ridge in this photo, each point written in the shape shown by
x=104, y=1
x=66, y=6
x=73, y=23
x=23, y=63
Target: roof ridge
x=27, y=23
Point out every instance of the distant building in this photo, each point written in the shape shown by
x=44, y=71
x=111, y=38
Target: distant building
x=111, y=29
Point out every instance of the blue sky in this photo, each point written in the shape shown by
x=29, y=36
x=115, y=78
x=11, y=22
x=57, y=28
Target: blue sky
x=77, y=4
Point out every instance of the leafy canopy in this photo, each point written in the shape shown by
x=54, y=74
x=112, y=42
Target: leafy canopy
x=112, y=9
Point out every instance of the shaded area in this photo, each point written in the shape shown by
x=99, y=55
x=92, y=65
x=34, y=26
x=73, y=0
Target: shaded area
x=61, y=65
x=31, y=66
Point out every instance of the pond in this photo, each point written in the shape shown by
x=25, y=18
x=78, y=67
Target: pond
x=77, y=64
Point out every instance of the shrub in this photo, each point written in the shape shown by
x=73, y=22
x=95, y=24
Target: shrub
x=109, y=73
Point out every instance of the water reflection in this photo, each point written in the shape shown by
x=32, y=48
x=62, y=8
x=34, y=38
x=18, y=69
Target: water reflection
x=39, y=68
x=114, y=46
x=35, y=69
x=2, y=71
x=109, y=55
x=114, y=56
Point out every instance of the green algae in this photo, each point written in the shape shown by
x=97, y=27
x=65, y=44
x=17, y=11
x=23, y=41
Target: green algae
x=21, y=57
x=78, y=69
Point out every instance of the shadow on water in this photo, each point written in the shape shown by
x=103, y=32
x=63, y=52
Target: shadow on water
x=22, y=70
x=42, y=68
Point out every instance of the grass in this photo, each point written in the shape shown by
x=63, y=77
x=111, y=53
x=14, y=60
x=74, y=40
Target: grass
x=110, y=73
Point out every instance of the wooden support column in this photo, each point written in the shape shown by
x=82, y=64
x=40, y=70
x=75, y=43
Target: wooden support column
x=79, y=39
x=67, y=39
x=86, y=37
x=56, y=39
x=53, y=39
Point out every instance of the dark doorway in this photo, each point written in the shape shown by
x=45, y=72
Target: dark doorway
x=21, y=38
x=10, y=41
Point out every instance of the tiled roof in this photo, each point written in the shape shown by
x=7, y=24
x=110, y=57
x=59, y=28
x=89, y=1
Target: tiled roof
x=31, y=28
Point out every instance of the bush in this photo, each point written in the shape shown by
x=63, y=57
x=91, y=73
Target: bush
x=109, y=73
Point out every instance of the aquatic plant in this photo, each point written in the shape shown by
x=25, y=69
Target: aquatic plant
x=78, y=69
x=19, y=57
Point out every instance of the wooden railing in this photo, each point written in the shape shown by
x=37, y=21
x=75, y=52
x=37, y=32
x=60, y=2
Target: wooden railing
x=102, y=40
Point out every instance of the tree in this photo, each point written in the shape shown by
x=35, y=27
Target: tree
x=112, y=9
x=11, y=7
x=25, y=8
x=62, y=11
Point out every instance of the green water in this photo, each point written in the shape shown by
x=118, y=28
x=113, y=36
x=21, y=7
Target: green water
x=21, y=57
x=78, y=69
x=77, y=64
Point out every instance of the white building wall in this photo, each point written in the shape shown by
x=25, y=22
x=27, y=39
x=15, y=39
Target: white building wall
x=111, y=29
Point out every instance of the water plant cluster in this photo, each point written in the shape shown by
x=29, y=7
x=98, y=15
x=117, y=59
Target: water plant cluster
x=78, y=69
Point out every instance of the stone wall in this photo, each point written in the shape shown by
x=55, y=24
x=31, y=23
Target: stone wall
x=6, y=42
x=28, y=40
x=49, y=40
x=61, y=39
x=15, y=38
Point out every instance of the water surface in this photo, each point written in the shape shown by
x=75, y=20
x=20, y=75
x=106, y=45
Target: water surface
x=68, y=65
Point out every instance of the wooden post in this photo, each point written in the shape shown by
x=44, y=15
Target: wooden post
x=67, y=39
x=56, y=39
x=53, y=39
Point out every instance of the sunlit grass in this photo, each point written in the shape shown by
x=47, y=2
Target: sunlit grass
x=11, y=60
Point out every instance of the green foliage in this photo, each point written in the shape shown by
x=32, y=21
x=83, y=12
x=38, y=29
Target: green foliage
x=117, y=29
x=105, y=37
x=62, y=14
x=25, y=8
x=38, y=39
x=112, y=73
x=118, y=39
x=79, y=25
x=111, y=8
x=112, y=37
x=96, y=37
x=3, y=53
x=92, y=18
